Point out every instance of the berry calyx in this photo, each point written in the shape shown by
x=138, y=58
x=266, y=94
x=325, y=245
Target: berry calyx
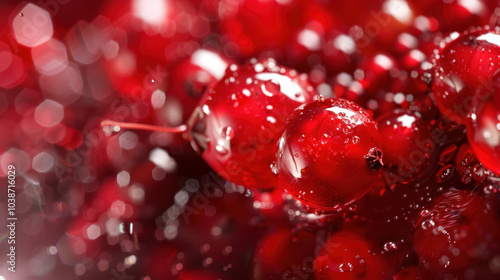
x=326, y=154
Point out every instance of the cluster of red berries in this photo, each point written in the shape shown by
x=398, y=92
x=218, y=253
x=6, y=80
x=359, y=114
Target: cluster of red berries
x=356, y=140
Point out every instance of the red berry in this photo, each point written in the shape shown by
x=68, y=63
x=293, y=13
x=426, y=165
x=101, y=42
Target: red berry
x=327, y=153
x=460, y=228
x=270, y=202
x=483, y=128
x=276, y=23
x=346, y=255
x=464, y=62
x=407, y=143
x=284, y=254
x=240, y=118
x=186, y=85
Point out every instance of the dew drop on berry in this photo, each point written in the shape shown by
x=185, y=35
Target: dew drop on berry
x=227, y=133
x=444, y=174
x=274, y=168
x=346, y=267
x=427, y=224
x=490, y=189
x=390, y=246
x=425, y=213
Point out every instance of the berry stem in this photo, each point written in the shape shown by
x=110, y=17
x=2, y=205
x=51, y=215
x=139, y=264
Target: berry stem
x=113, y=124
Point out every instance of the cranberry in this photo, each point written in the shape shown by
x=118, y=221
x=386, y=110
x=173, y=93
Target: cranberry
x=285, y=254
x=464, y=62
x=376, y=73
x=239, y=120
x=347, y=255
x=275, y=25
x=460, y=228
x=186, y=85
x=407, y=143
x=216, y=228
x=455, y=15
x=483, y=128
x=328, y=152
x=270, y=202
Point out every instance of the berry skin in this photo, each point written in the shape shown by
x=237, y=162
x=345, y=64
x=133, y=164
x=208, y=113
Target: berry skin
x=326, y=155
x=283, y=254
x=187, y=83
x=274, y=27
x=483, y=128
x=461, y=228
x=407, y=143
x=464, y=62
x=240, y=118
x=348, y=256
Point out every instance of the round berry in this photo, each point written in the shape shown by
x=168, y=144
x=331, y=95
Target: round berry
x=347, y=255
x=276, y=23
x=186, y=85
x=407, y=143
x=460, y=228
x=240, y=118
x=327, y=155
x=464, y=62
x=483, y=128
x=278, y=252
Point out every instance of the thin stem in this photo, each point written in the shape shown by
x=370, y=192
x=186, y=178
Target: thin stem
x=140, y=126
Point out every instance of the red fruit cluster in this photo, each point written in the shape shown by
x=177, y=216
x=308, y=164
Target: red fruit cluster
x=288, y=139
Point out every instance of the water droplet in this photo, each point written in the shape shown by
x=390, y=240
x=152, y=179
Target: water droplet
x=221, y=150
x=444, y=174
x=227, y=133
x=427, y=224
x=21, y=14
x=390, y=246
x=318, y=212
x=346, y=267
x=274, y=168
x=444, y=260
x=490, y=189
x=425, y=213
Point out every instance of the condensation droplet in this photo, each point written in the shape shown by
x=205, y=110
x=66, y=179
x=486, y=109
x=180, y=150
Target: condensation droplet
x=427, y=224
x=346, y=267
x=390, y=246
x=227, y=133
x=274, y=168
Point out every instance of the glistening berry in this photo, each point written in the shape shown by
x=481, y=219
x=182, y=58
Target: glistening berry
x=328, y=154
x=407, y=143
x=464, y=62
